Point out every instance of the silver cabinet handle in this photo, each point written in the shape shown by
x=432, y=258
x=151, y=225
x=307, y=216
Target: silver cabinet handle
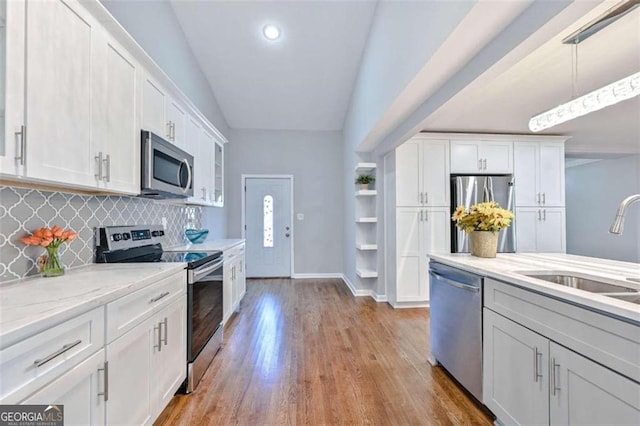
x=161, y=296
x=538, y=197
x=23, y=144
x=99, y=160
x=173, y=131
x=555, y=387
x=426, y=198
x=421, y=199
x=158, y=328
x=536, y=365
x=480, y=164
x=544, y=198
x=63, y=349
x=420, y=220
x=107, y=165
x=544, y=215
x=539, y=215
x=485, y=164
x=166, y=332
x=426, y=216
x=105, y=392
x=169, y=129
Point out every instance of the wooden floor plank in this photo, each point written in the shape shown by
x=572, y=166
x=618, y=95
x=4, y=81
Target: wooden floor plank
x=308, y=352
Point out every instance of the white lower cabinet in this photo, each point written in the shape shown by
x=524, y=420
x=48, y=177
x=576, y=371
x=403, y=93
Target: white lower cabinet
x=80, y=390
x=418, y=232
x=147, y=365
x=541, y=230
x=234, y=280
x=515, y=382
x=531, y=380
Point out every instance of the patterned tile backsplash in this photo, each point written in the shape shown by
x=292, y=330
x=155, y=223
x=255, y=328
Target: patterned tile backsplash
x=24, y=210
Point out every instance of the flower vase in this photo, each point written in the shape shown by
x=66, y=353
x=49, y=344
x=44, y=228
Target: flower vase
x=484, y=243
x=51, y=266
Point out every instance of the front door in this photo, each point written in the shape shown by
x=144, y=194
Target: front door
x=268, y=226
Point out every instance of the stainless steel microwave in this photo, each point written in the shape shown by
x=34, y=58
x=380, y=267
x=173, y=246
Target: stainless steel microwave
x=167, y=171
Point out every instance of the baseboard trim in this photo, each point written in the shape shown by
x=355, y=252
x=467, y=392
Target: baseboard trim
x=363, y=292
x=379, y=297
x=409, y=305
x=316, y=276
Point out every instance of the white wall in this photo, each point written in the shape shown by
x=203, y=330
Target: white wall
x=315, y=161
x=154, y=26
x=593, y=193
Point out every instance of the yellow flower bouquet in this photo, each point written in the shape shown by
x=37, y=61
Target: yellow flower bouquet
x=482, y=217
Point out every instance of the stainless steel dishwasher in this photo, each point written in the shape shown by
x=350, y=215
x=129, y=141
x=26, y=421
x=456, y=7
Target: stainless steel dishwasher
x=456, y=324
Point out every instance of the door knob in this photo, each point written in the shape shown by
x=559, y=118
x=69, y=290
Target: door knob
x=286, y=228
x=287, y=235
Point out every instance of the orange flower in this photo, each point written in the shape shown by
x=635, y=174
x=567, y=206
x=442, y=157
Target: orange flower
x=45, y=242
x=72, y=236
x=46, y=232
x=39, y=233
x=56, y=231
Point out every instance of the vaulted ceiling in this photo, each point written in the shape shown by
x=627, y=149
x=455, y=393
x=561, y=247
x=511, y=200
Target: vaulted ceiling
x=305, y=80
x=302, y=81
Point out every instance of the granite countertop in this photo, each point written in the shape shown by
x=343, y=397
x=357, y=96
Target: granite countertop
x=509, y=267
x=209, y=245
x=31, y=305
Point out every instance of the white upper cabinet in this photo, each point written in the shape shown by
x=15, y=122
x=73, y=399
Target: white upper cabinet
x=408, y=174
x=218, y=175
x=177, y=123
x=60, y=42
x=207, y=152
x=115, y=126
x=539, y=174
x=481, y=157
x=153, y=108
x=12, y=51
x=422, y=173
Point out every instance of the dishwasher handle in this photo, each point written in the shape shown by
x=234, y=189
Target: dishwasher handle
x=447, y=281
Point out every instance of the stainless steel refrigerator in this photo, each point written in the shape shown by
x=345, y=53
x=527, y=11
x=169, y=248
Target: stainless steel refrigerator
x=468, y=190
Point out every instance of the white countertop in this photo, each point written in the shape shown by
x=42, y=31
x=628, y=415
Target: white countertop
x=506, y=267
x=209, y=245
x=31, y=305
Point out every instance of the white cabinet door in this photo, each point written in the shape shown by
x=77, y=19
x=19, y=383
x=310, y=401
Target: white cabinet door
x=410, y=286
x=12, y=52
x=241, y=279
x=526, y=223
x=551, y=174
x=177, y=122
x=207, y=151
x=115, y=128
x=515, y=372
x=80, y=390
x=408, y=174
x=551, y=234
x=169, y=360
x=525, y=169
x=435, y=172
x=465, y=157
x=497, y=156
x=434, y=237
x=153, y=108
x=60, y=42
x=585, y=393
x=131, y=376
x=227, y=290
x=218, y=175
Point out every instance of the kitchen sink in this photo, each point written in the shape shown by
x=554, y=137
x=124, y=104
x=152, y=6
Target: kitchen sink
x=581, y=282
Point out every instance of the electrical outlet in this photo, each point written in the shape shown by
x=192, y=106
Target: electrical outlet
x=164, y=223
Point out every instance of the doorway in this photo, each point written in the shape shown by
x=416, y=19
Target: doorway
x=267, y=215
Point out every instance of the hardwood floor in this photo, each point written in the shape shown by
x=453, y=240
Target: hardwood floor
x=308, y=352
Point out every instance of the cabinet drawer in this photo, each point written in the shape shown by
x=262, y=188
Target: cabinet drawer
x=611, y=342
x=32, y=363
x=128, y=311
x=234, y=252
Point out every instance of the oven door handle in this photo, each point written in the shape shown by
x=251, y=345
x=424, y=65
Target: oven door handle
x=198, y=274
x=448, y=281
x=189, y=177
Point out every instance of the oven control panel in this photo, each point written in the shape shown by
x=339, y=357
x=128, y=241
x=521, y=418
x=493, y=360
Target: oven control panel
x=125, y=237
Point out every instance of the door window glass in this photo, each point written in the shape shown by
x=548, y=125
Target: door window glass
x=267, y=212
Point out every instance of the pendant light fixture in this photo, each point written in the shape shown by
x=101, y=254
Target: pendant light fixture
x=603, y=97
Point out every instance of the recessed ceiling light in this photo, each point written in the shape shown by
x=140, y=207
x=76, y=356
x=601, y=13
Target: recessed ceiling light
x=271, y=32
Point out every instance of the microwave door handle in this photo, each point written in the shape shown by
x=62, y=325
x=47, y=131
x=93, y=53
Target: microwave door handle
x=188, y=185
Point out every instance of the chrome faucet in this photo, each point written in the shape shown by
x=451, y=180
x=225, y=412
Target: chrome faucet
x=616, y=227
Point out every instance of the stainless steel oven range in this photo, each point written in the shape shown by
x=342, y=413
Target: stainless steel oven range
x=115, y=244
